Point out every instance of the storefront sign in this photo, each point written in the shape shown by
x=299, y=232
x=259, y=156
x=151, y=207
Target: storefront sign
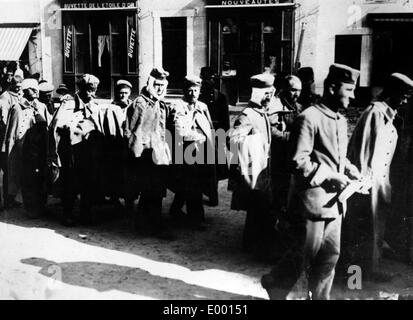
x=68, y=42
x=100, y=5
x=239, y=3
x=132, y=40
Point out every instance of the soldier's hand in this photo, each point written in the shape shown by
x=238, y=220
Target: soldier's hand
x=353, y=173
x=338, y=181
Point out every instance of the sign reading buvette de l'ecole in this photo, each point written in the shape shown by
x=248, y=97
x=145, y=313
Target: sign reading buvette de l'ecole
x=68, y=4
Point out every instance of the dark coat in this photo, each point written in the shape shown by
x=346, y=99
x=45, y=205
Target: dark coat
x=219, y=112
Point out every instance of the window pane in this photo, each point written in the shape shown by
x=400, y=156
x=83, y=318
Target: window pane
x=82, y=53
x=287, y=25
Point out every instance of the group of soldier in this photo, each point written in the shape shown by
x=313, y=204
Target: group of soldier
x=290, y=165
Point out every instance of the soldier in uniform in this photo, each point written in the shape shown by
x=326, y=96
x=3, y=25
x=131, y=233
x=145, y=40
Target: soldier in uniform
x=371, y=149
x=282, y=116
x=148, y=155
x=321, y=172
x=250, y=178
x=123, y=91
x=308, y=97
x=8, y=99
x=45, y=95
x=70, y=150
x=193, y=128
x=25, y=145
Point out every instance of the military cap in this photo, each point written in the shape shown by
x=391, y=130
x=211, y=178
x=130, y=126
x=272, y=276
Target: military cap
x=192, y=80
x=88, y=80
x=342, y=73
x=263, y=80
x=159, y=73
x=46, y=87
x=30, y=84
x=305, y=74
x=206, y=73
x=62, y=89
x=404, y=81
x=123, y=83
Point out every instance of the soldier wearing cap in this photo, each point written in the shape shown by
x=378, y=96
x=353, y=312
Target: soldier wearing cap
x=148, y=155
x=250, y=178
x=193, y=130
x=8, y=98
x=25, y=145
x=321, y=172
x=70, y=150
x=371, y=149
x=123, y=91
x=45, y=95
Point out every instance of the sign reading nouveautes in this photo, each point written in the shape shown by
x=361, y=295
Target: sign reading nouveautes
x=228, y=3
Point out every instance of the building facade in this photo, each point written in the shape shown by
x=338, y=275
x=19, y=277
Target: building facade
x=62, y=39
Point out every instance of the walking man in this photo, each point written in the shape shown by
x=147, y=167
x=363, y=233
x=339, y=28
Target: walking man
x=371, y=149
x=250, y=178
x=321, y=172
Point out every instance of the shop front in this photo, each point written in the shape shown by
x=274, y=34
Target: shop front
x=100, y=38
x=246, y=38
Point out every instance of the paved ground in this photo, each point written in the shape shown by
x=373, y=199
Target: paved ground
x=40, y=259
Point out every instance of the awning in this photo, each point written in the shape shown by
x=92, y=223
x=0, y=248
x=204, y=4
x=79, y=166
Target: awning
x=12, y=42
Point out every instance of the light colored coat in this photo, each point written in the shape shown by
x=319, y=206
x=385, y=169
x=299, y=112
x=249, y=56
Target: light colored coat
x=319, y=148
x=250, y=141
x=68, y=118
x=371, y=149
x=21, y=118
x=136, y=133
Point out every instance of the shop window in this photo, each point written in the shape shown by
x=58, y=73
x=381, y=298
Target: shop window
x=348, y=50
x=82, y=60
x=174, y=50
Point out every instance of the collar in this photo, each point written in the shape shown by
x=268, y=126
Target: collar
x=27, y=104
x=387, y=110
x=256, y=107
x=291, y=107
x=80, y=105
x=327, y=111
x=13, y=94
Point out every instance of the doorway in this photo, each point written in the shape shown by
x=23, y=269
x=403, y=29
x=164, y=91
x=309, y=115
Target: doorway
x=174, y=51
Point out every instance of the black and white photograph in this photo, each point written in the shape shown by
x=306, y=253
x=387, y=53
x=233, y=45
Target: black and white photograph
x=206, y=150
